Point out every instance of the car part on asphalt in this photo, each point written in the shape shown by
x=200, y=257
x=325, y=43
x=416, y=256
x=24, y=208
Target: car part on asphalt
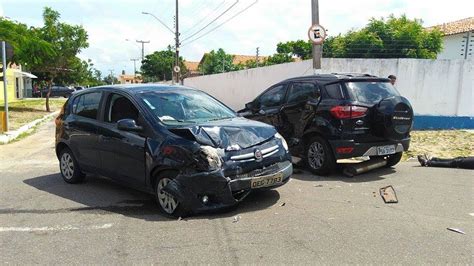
x=185, y=147
x=388, y=194
x=456, y=230
x=354, y=169
x=351, y=115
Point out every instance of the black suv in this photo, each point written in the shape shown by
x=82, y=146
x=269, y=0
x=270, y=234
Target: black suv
x=327, y=117
x=180, y=144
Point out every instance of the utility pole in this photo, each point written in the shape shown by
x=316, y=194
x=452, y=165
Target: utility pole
x=256, y=56
x=143, y=47
x=5, y=96
x=316, y=47
x=177, y=40
x=134, y=66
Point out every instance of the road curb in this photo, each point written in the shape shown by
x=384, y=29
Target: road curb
x=12, y=135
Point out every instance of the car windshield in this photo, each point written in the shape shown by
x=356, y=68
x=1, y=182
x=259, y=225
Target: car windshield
x=371, y=92
x=185, y=106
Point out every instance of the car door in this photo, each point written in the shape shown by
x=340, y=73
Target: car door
x=299, y=93
x=269, y=104
x=82, y=125
x=122, y=153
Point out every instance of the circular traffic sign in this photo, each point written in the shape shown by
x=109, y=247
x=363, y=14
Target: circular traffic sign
x=176, y=69
x=317, y=34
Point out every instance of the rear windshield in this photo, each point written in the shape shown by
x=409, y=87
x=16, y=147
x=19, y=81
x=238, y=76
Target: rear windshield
x=186, y=107
x=371, y=92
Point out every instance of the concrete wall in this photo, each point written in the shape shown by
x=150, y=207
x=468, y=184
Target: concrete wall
x=434, y=87
x=454, y=46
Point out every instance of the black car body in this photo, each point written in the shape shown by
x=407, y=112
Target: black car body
x=327, y=117
x=137, y=135
x=56, y=91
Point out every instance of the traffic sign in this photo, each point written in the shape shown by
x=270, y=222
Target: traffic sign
x=317, y=34
x=176, y=69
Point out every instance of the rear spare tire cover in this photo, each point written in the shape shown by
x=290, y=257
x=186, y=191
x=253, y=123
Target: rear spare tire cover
x=393, y=118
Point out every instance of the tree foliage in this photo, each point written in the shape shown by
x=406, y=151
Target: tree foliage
x=158, y=66
x=217, y=62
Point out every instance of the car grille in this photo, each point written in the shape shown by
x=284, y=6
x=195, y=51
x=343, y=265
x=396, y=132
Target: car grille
x=247, y=157
x=259, y=172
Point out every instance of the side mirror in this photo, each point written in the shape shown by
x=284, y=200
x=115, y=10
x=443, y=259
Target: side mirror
x=128, y=125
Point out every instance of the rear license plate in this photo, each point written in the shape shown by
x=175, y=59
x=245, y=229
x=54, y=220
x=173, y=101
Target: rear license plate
x=266, y=181
x=386, y=150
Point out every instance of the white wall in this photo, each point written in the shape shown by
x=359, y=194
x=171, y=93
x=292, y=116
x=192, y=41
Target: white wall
x=454, y=46
x=434, y=87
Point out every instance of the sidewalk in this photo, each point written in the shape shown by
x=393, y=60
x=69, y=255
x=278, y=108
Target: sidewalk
x=9, y=136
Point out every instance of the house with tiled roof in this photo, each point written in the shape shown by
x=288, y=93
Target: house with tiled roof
x=193, y=68
x=458, y=39
x=240, y=59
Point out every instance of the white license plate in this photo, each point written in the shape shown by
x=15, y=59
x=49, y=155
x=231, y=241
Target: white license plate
x=386, y=150
x=266, y=181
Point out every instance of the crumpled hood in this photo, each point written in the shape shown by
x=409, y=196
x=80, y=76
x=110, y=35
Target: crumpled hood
x=228, y=133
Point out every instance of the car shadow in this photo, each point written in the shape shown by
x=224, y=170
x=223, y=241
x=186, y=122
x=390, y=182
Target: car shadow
x=103, y=196
x=304, y=174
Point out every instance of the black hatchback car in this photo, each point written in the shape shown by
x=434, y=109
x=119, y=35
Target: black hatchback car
x=180, y=144
x=328, y=117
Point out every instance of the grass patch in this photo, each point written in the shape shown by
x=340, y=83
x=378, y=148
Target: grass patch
x=441, y=143
x=24, y=111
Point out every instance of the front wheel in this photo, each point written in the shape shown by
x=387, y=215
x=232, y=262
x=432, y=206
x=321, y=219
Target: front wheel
x=319, y=156
x=168, y=204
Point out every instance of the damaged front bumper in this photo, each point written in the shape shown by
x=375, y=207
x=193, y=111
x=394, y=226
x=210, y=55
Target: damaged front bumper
x=221, y=191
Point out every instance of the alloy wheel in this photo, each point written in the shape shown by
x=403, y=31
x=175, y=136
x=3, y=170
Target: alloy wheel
x=67, y=165
x=316, y=155
x=167, y=202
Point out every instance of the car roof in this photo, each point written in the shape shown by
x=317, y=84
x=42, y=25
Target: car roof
x=140, y=88
x=337, y=76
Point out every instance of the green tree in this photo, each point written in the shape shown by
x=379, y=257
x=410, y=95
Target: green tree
x=66, y=40
x=159, y=65
x=218, y=62
x=386, y=38
x=111, y=79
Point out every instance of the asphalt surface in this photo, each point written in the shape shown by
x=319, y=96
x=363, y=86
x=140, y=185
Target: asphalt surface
x=330, y=220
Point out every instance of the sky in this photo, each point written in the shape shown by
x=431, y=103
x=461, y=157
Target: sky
x=114, y=26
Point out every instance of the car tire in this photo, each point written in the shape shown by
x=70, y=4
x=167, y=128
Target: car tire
x=319, y=157
x=70, y=170
x=168, y=204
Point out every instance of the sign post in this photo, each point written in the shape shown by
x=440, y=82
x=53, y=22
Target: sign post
x=313, y=35
x=5, y=94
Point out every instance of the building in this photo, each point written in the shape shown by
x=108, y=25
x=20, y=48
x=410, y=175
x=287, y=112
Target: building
x=193, y=68
x=130, y=79
x=239, y=59
x=19, y=83
x=458, y=39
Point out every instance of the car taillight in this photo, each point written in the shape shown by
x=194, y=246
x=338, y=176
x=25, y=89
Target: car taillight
x=348, y=111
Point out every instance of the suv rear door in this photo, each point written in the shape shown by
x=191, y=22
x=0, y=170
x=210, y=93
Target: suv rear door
x=268, y=106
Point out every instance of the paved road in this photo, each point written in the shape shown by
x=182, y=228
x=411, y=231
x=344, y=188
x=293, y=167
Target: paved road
x=324, y=219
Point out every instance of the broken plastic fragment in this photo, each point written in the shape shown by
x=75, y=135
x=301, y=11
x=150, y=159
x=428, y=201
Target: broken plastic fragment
x=283, y=204
x=388, y=194
x=456, y=230
x=236, y=219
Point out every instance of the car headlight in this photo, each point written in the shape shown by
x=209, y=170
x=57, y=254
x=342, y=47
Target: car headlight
x=283, y=141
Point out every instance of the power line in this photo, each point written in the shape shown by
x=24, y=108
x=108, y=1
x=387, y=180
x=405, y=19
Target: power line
x=212, y=21
x=218, y=26
x=205, y=17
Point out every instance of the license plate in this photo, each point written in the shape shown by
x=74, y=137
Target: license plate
x=385, y=150
x=266, y=181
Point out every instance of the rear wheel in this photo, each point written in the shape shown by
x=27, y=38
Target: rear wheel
x=168, y=204
x=69, y=167
x=319, y=157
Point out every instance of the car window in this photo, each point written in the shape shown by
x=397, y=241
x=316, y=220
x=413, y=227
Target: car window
x=119, y=107
x=334, y=91
x=371, y=91
x=301, y=91
x=87, y=105
x=273, y=97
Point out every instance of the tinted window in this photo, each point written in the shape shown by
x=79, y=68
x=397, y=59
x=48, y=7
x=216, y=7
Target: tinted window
x=371, y=92
x=273, y=97
x=119, y=107
x=334, y=91
x=301, y=92
x=87, y=105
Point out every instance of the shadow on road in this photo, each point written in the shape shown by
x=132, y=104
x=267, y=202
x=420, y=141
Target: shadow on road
x=103, y=196
x=303, y=174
